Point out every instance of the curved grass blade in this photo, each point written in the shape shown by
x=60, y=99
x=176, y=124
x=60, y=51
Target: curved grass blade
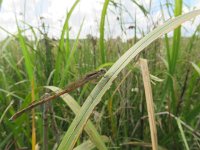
x=89, y=128
x=5, y=111
x=104, y=84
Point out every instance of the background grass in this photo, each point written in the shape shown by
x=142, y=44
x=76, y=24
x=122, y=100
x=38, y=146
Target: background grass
x=121, y=114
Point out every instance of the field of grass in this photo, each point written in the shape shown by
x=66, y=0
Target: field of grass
x=149, y=97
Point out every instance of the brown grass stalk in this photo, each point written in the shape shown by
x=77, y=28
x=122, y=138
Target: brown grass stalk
x=149, y=101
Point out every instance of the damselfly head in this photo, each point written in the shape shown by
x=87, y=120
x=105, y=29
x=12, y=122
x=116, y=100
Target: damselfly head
x=103, y=70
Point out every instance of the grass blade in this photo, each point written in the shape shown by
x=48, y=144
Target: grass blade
x=182, y=133
x=30, y=72
x=60, y=59
x=102, y=23
x=70, y=57
x=89, y=145
x=149, y=101
x=196, y=67
x=89, y=128
x=5, y=111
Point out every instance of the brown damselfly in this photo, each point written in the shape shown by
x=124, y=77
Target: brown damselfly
x=71, y=87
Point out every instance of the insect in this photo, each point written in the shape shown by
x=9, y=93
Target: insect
x=71, y=87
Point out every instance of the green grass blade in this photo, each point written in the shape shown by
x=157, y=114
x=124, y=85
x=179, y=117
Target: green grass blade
x=30, y=71
x=27, y=55
x=196, y=67
x=70, y=57
x=191, y=87
x=142, y=8
x=89, y=128
x=65, y=27
x=5, y=111
x=60, y=59
x=104, y=84
x=88, y=145
x=172, y=57
x=182, y=133
x=9, y=57
x=11, y=93
x=176, y=39
x=175, y=53
x=102, y=23
x=6, y=140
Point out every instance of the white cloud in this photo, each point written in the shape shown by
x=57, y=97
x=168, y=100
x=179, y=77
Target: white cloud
x=54, y=14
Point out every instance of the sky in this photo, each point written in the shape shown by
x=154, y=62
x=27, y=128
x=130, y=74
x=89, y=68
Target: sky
x=53, y=13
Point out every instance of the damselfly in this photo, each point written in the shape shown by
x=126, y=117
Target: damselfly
x=71, y=87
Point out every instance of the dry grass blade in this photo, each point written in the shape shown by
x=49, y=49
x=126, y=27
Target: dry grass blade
x=149, y=100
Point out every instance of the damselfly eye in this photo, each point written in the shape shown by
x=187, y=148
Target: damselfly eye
x=103, y=70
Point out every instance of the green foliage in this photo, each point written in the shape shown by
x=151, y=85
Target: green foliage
x=121, y=114
x=102, y=24
x=105, y=83
x=63, y=52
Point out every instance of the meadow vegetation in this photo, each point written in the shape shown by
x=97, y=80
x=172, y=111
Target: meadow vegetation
x=31, y=68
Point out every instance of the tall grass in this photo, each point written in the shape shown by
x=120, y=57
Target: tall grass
x=94, y=98
x=29, y=70
x=64, y=49
x=102, y=24
x=83, y=119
